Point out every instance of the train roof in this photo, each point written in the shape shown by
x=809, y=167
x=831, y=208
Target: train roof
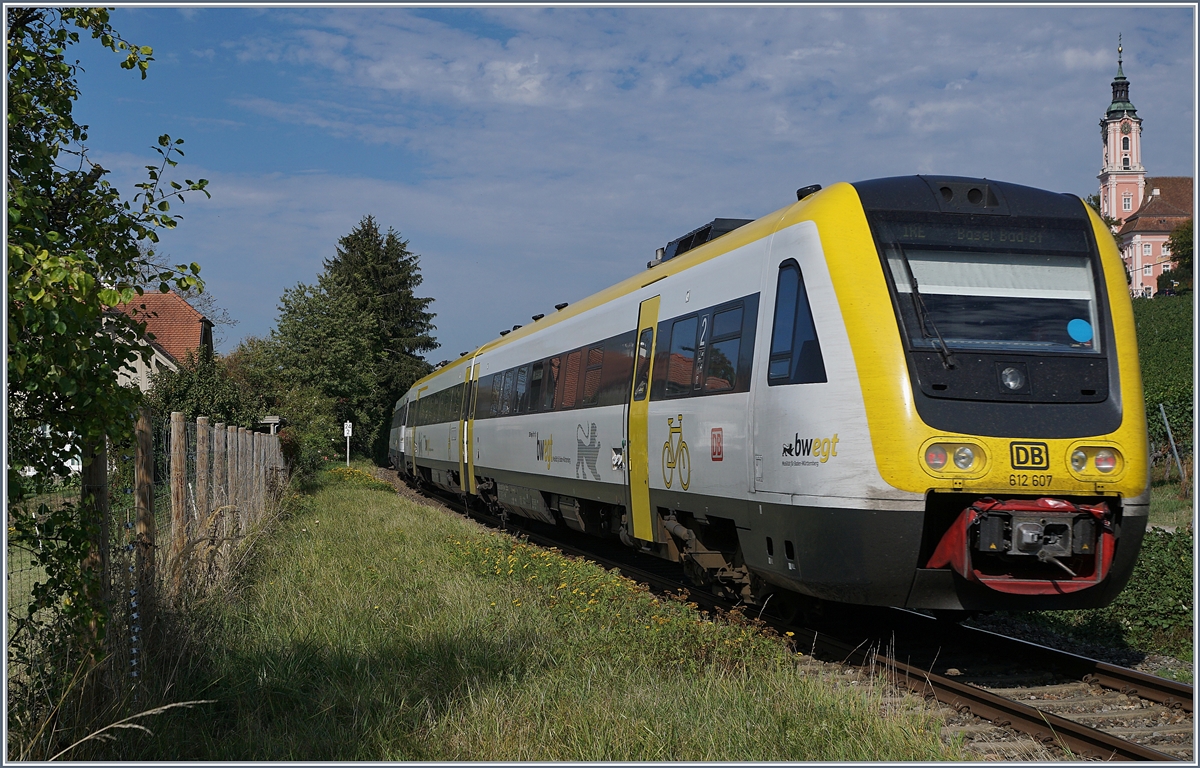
x=963, y=194
x=897, y=193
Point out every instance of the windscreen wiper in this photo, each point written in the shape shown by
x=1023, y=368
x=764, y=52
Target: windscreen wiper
x=923, y=313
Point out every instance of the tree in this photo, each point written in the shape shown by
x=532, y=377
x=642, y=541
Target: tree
x=254, y=367
x=1180, y=243
x=1109, y=221
x=203, y=387
x=379, y=275
x=322, y=342
x=73, y=249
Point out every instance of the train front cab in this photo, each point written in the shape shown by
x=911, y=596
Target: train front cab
x=1005, y=390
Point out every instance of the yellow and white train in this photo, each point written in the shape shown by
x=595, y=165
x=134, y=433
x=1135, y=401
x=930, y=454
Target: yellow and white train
x=915, y=391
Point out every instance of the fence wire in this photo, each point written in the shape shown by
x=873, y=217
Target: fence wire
x=229, y=481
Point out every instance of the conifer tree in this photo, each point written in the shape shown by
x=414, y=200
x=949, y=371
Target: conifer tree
x=380, y=275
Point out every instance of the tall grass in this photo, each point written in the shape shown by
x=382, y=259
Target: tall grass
x=373, y=628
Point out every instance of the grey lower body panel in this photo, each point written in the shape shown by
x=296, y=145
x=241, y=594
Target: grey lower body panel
x=589, y=489
x=863, y=556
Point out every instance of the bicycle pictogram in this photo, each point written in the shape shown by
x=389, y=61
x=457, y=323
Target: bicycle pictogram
x=676, y=456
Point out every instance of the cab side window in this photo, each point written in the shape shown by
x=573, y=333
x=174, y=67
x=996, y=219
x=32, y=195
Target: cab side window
x=795, y=350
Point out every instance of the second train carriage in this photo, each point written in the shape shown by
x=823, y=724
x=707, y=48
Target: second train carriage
x=916, y=391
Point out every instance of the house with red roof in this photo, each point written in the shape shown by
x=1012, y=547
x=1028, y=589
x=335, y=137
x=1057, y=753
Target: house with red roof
x=175, y=329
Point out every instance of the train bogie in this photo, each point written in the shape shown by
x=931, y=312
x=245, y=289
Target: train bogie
x=916, y=392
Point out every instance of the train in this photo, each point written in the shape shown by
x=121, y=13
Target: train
x=919, y=392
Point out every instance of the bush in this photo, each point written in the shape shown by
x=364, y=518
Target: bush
x=1154, y=613
x=312, y=430
x=1164, y=333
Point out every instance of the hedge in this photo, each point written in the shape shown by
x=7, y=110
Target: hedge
x=1164, y=334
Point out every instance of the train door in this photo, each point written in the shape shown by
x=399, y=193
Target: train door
x=466, y=456
x=637, y=450
x=411, y=430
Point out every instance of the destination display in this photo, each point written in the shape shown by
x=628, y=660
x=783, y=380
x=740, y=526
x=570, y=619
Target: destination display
x=929, y=234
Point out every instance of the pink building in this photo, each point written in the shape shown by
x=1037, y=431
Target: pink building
x=1147, y=209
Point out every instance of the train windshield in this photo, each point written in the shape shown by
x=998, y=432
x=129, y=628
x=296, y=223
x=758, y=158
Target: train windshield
x=994, y=287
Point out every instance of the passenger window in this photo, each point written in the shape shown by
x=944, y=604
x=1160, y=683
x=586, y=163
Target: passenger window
x=723, y=359
x=591, y=379
x=493, y=394
x=535, y=387
x=795, y=350
x=551, y=384
x=571, y=385
x=701, y=351
x=519, y=389
x=727, y=323
x=506, y=392
x=682, y=356
x=722, y=366
x=642, y=379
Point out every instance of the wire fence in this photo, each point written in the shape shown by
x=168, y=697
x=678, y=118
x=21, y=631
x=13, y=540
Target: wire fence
x=180, y=501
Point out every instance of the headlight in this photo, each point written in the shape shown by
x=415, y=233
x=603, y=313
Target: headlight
x=1105, y=461
x=1013, y=378
x=935, y=456
x=964, y=457
x=1078, y=460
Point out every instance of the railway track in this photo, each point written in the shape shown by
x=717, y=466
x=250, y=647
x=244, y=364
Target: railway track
x=1073, y=705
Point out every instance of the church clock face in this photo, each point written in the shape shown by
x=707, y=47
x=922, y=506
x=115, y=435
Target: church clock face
x=1126, y=128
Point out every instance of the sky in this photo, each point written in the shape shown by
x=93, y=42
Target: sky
x=536, y=155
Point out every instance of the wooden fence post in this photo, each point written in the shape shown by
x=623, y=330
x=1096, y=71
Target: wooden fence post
x=244, y=489
x=94, y=508
x=178, y=498
x=232, y=475
x=258, y=472
x=232, y=463
x=143, y=484
x=220, y=483
x=203, y=443
x=219, y=492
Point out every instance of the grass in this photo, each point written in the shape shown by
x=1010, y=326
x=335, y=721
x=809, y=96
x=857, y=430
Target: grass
x=373, y=628
x=1168, y=505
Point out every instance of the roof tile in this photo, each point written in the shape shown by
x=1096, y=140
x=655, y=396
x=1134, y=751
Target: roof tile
x=177, y=327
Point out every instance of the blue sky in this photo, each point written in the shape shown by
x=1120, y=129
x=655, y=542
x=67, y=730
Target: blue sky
x=536, y=155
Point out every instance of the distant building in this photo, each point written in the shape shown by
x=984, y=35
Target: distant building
x=1148, y=209
x=177, y=329
x=1143, y=236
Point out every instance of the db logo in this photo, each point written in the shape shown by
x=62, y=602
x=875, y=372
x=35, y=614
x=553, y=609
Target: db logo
x=1029, y=455
x=715, y=442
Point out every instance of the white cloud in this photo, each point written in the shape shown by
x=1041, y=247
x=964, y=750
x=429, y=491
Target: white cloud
x=552, y=162
x=1093, y=60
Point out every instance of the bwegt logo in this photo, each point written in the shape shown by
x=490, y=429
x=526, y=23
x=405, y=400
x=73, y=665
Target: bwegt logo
x=816, y=447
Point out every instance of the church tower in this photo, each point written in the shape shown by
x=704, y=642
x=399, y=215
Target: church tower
x=1122, y=177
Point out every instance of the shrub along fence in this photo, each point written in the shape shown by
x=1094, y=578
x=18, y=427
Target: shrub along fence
x=172, y=510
